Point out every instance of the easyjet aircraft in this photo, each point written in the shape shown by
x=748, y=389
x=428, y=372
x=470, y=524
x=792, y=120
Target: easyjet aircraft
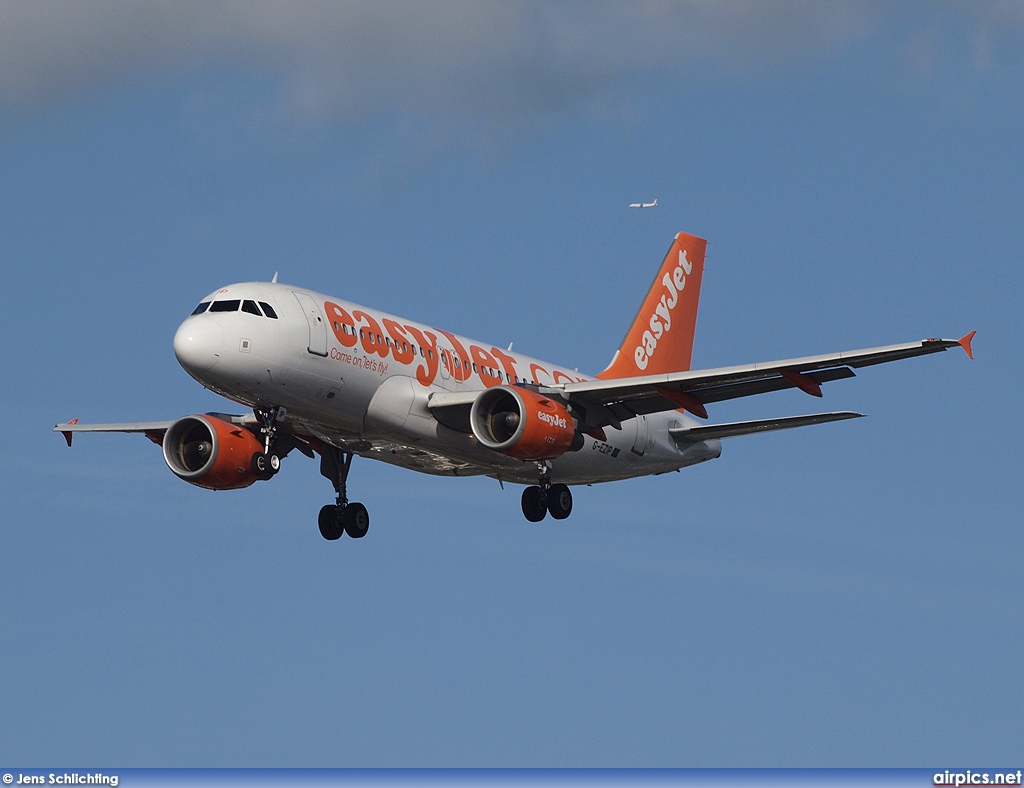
x=327, y=377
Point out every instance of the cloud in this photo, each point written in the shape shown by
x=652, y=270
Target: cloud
x=359, y=57
x=510, y=62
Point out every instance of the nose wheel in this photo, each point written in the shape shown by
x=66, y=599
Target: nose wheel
x=266, y=463
x=341, y=517
x=546, y=498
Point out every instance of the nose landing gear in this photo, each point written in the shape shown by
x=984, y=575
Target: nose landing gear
x=266, y=463
x=539, y=500
x=342, y=517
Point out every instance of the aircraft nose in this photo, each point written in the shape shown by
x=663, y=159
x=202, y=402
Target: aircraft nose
x=198, y=344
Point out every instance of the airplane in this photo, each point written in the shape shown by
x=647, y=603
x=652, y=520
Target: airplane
x=330, y=378
x=643, y=204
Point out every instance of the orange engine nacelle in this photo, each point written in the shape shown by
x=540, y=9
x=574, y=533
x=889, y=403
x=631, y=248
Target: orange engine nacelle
x=210, y=452
x=521, y=424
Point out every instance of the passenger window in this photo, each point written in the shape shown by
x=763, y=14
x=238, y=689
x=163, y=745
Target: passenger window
x=201, y=308
x=225, y=306
x=251, y=308
x=268, y=310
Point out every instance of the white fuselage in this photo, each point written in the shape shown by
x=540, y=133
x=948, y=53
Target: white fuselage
x=361, y=379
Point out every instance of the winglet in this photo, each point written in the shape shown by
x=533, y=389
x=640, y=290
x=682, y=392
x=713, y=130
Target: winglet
x=965, y=343
x=68, y=434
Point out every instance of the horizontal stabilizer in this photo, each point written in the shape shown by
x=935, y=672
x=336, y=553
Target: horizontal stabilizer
x=732, y=429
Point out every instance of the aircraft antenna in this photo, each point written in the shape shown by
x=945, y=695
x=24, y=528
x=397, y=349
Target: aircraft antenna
x=274, y=280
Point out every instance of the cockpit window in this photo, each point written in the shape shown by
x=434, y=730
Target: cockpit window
x=201, y=308
x=268, y=310
x=225, y=306
x=251, y=308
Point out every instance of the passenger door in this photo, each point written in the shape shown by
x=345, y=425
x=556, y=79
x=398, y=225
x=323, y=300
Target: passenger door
x=317, y=324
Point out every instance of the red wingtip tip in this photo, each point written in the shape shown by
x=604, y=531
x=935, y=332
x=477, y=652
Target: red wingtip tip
x=965, y=343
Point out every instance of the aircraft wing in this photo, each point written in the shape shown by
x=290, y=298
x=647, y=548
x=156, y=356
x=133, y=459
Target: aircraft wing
x=610, y=402
x=307, y=438
x=154, y=430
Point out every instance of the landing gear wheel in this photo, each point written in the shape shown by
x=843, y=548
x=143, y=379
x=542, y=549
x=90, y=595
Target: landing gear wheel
x=535, y=505
x=330, y=527
x=356, y=520
x=349, y=518
x=275, y=463
x=559, y=501
x=263, y=466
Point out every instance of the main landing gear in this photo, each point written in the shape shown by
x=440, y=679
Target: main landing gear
x=266, y=463
x=539, y=500
x=342, y=517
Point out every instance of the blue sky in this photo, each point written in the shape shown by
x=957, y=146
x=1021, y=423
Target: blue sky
x=843, y=595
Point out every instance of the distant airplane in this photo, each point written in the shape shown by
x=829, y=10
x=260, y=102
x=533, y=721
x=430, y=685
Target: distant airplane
x=331, y=378
x=643, y=204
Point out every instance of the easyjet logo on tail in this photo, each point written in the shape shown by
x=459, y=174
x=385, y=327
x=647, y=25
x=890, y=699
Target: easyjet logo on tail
x=661, y=320
x=661, y=337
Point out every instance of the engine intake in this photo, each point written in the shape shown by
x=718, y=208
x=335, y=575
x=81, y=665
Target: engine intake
x=210, y=452
x=522, y=424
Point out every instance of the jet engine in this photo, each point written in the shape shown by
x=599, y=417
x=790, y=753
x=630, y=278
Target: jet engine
x=522, y=424
x=210, y=452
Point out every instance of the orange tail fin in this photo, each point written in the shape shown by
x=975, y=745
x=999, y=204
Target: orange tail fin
x=661, y=337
